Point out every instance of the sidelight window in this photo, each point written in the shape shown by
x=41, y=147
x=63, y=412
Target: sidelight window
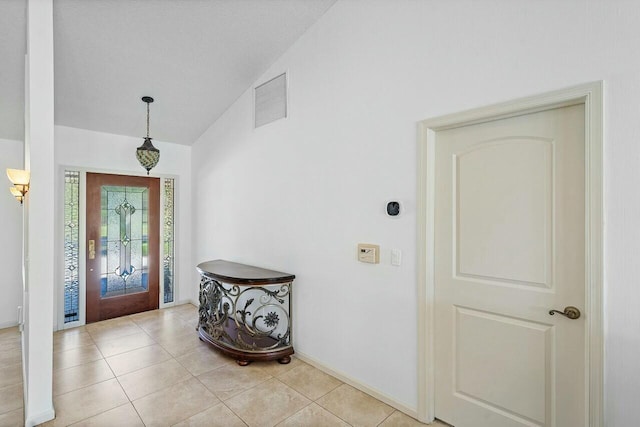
x=168, y=243
x=71, y=245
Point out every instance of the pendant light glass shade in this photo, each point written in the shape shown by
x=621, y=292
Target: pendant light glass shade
x=147, y=154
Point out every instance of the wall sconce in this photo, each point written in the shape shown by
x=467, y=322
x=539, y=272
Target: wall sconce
x=20, y=180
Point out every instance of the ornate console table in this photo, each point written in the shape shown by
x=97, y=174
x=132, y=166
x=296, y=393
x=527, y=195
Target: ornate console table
x=245, y=311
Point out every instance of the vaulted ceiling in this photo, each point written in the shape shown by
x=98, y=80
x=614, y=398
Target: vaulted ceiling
x=195, y=57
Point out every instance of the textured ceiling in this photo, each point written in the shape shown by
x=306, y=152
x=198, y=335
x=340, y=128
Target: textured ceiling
x=12, y=50
x=195, y=57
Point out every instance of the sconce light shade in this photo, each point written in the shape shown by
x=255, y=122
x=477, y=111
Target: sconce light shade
x=20, y=180
x=18, y=176
x=17, y=194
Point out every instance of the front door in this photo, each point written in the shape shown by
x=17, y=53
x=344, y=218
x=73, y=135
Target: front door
x=510, y=247
x=122, y=245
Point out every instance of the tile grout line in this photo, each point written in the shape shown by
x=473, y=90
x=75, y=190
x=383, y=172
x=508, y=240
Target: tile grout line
x=114, y=377
x=12, y=384
x=328, y=410
x=235, y=395
x=183, y=320
x=311, y=401
x=234, y=413
x=386, y=418
x=21, y=400
x=320, y=397
x=172, y=357
x=130, y=402
x=100, y=413
x=220, y=401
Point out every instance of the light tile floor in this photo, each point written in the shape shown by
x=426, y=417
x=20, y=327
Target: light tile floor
x=150, y=369
x=10, y=378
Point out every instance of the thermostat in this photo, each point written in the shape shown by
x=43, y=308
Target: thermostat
x=393, y=208
x=368, y=253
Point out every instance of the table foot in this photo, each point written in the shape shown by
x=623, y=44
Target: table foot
x=284, y=360
x=243, y=362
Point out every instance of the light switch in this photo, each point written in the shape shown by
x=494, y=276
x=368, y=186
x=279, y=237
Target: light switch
x=368, y=253
x=396, y=257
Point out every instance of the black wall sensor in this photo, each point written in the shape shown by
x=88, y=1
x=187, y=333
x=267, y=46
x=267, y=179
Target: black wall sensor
x=393, y=208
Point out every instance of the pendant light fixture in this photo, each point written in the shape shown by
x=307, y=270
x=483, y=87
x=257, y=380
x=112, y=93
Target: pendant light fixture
x=147, y=154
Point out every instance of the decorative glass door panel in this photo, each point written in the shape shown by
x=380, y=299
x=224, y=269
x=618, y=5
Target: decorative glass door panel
x=124, y=240
x=122, y=245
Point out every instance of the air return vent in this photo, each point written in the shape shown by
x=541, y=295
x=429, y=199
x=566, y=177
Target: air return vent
x=271, y=100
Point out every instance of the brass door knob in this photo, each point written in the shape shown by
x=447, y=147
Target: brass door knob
x=569, y=311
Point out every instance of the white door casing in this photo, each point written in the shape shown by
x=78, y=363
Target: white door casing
x=513, y=229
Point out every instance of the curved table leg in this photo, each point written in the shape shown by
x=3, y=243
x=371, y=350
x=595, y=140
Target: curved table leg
x=284, y=360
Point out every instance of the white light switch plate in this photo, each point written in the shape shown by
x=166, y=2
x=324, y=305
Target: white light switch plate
x=396, y=257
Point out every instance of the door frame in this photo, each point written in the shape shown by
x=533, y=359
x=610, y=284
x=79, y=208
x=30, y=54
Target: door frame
x=58, y=311
x=589, y=95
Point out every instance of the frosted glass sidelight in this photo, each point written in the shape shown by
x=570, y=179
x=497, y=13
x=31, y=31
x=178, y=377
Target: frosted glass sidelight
x=71, y=245
x=168, y=243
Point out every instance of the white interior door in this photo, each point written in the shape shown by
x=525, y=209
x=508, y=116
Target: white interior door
x=509, y=247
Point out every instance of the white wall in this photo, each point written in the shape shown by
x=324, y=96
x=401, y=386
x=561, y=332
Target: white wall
x=299, y=194
x=11, y=156
x=103, y=152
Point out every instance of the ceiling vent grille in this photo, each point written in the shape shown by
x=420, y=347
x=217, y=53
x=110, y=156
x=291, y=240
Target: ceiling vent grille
x=271, y=100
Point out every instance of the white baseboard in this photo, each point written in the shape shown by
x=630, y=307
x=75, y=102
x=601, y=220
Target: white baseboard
x=8, y=324
x=183, y=302
x=34, y=420
x=413, y=413
x=177, y=303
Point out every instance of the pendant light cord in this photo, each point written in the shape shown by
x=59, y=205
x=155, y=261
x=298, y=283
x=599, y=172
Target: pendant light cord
x=147, y=120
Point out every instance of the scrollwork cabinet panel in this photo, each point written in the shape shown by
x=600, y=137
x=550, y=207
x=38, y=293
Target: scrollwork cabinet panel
x=245, y=311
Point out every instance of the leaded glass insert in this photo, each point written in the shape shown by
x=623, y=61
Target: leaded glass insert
x=71, y=245
x=168, y=244
x=124, y=240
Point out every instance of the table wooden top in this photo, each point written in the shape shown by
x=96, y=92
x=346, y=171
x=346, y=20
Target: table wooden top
x=242, y=274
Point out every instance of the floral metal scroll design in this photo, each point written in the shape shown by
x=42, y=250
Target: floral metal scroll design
x=215, y=307
x=271, y=319
x=258, y=313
